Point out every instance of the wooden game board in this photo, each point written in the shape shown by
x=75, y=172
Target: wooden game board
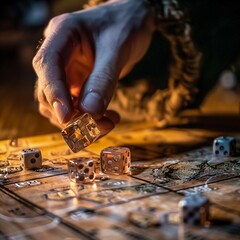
x=166, y=165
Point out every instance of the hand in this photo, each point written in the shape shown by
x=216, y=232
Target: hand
x=85, y=53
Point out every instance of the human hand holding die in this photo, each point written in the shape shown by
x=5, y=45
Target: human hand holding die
x=83, y=56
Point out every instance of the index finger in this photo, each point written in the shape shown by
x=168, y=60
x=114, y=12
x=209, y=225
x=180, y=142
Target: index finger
x=50, y=62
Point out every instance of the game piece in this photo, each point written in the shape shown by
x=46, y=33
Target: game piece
x=224, y=146
x=81, y=170
x=81, y=212
x=81, y=133
x=194, y=210
x=60, y=195
x=115, y=160
x=27, y=183
x=3, y=178
x=31, y=158
x=143, y=218
x=11, y=169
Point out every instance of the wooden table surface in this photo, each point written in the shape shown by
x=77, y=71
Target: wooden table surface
x=167, y=164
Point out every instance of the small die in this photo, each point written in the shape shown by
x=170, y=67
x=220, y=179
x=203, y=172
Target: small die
x=194, y=210
x=81, y=133
x=115, y=160
x=31, y=158
x=224, y=146
x=81, y=170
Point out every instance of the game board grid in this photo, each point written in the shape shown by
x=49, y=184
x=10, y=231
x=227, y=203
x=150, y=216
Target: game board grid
x=114, y=218
x=20, y=219
x=223, y=194
x=155, y=155
x=49, y=187
x=122, y=225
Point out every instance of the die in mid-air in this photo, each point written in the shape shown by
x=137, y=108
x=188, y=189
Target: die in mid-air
x=81, y=132
x=31, y=158
x=81, y=170
x=194, y=210
x=115, y=160
x=224, y=146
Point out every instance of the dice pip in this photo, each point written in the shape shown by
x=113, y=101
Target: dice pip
x=31, y=158
x=194, y=210
x=115, y=160
x=224, y=146
x=81, y=133
x=81, y=170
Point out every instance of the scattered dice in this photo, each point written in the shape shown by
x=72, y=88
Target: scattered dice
x=81, y=133
x=194, y=210
x=81, y=170
x=115, y=160
x=224, y=146
x=31, y=158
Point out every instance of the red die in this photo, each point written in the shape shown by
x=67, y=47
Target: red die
x=115, y=160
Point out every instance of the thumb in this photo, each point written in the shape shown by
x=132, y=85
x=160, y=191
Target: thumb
x=100, y=86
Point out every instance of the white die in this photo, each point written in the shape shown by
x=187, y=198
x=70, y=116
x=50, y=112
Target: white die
x=116, y=160
x=31, y=158
x=81, y=170
x=81, y=132
x=194, y=209
x=224, y=146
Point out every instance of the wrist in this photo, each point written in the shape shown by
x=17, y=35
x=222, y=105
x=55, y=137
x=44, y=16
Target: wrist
x=148, y=5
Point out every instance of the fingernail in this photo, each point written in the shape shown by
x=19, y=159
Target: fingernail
x=94, y=103
x=61, y=111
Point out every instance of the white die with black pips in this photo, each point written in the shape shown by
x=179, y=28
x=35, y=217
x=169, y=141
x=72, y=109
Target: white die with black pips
x=81, y=170
x=116, y=160
x=31, y=158
x=224, y=146
x=194, y=210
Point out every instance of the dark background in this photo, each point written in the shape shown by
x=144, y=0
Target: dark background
x=21, y=26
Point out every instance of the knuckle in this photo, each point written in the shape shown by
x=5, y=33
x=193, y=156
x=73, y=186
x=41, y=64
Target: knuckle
x=104, y=77
x=51, y=91
x=64, y=22
x=41, y=97
x=48, y=92
x=39, y=60
x=35, y=62
x=60, y=21
x=41, y=109
x=44, y=111
x=57, y=20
